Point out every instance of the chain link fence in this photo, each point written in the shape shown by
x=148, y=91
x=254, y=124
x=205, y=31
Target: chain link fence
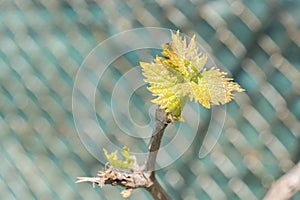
x=43, y=44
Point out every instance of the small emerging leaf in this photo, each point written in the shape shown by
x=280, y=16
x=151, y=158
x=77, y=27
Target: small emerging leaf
x=113, y=159
x=181, y=73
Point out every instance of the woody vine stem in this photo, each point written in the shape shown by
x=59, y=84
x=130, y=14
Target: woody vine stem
x=161, y=123
x=143, y=176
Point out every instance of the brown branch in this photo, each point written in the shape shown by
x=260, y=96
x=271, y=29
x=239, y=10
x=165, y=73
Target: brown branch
x=286, y=186
x=161, y=123
x=142, y=178
x=129, y=180
x=114, y=176
x=157, y=192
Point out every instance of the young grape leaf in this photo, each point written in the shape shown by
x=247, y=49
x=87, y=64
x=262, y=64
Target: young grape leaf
x=114, y=160
x=213, y=87
x=181, y=73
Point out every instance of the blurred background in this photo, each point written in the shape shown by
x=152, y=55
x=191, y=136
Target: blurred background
x=43, y=44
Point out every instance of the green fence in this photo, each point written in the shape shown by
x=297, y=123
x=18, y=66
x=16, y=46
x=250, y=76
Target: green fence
x=43, y=44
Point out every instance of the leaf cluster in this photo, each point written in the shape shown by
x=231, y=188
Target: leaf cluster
x=181, y=74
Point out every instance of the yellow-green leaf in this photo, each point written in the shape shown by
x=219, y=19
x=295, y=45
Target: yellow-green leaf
x=184, y=57
x=213, y=87
x=113, y=159
x=166, y=84
x=181, y=73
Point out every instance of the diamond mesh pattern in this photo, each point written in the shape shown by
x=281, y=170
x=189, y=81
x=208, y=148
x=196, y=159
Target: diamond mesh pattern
x=43, y=44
